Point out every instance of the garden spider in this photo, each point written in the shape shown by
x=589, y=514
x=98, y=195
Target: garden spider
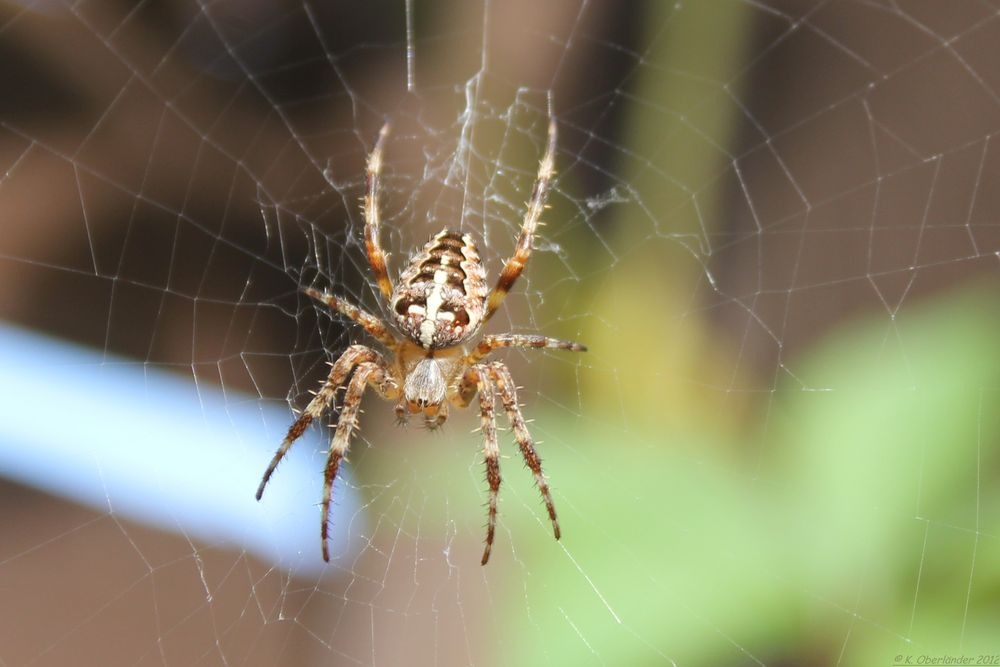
x=439, y=303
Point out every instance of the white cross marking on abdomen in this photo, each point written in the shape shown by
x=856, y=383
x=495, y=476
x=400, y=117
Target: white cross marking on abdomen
x=434, y=303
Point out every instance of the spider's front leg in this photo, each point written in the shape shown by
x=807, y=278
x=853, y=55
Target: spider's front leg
x=475, y=379
x=499, y=373
x=352, y=356
x=367, y=373
x=490, y=380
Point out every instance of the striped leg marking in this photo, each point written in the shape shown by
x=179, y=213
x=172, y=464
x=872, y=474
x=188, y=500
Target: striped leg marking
x=373, y=325
x=491, y=452
x=352, y=356
x=515, y=265
x=508, y=395
x=492, y=342
x=367, y=373
x=376, y=256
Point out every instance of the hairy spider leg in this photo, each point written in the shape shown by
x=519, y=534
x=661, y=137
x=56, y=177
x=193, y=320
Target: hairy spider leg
x=366, y=373
x=515, y=265
x=376, y=256
x=491, y=452
x=490, y=380
x=508, y=396
x=373, y=325
x=352, y=356
x=494, y=341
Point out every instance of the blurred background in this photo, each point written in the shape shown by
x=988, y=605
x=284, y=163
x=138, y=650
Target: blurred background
x=775, y=224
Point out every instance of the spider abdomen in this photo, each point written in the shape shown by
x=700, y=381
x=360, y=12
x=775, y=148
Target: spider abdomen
x=440, y=298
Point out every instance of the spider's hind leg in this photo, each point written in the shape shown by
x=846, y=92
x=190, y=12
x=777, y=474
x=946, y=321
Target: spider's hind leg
x=515, y=265
x=376, y=256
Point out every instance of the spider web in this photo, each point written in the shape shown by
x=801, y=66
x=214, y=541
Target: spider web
x=775, y=225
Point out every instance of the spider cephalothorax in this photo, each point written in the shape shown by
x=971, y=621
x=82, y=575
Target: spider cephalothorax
x=439, y=302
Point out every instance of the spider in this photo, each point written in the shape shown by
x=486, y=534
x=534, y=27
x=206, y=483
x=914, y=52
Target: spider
x=439, y=303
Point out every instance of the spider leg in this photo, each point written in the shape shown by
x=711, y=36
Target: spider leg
x=512, y=269
x=352, y=356
x=492, y=342
x=508, y=395
x=366, y=373
x=373, y=325
x=491, y=451
x=376, y=256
